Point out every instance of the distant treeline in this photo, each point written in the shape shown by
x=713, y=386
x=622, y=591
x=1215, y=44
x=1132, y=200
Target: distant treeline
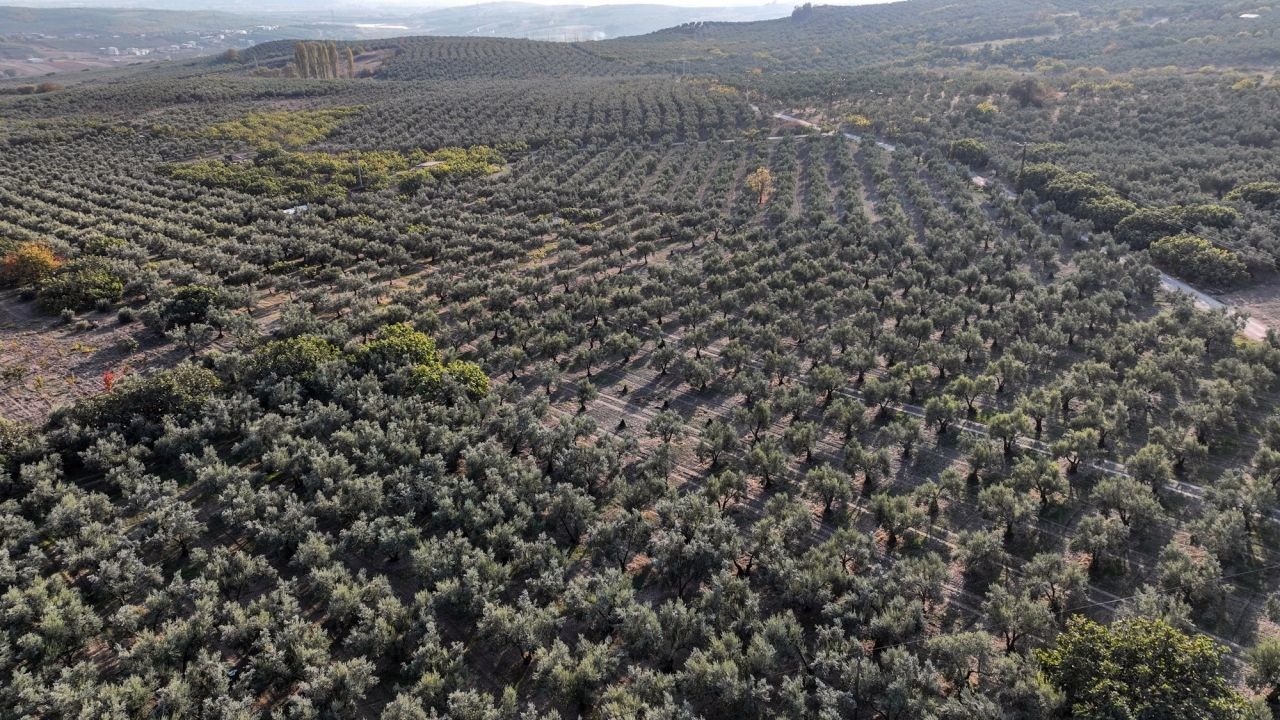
x=323, y=60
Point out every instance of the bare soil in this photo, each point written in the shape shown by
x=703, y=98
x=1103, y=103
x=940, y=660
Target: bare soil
x=1260, y=302
x=52, y=61
x=45, y=362
x=369, y=62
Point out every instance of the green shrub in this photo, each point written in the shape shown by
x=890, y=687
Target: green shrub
x=288, y=128
x=1259, y=194
x=1029, y=91
x=971, y=152
x=1107, y=211
x=180, y=390
x=1084, y=196
x=1036, y=176
x=315, y=176
x=80, y=284
x=470, y=377
x=453, y=162
x=1209, y=215
x=1139, y=668
x=430, y=379
x=1195, y=258
x=1144, y=226
x=188, y=305
x=101, y=245
x=398, y=345
x=296, y=357
x=1071, y=190
x=17, y=441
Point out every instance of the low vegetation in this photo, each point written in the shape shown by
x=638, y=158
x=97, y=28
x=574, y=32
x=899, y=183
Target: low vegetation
x=287, y=128
x=1198, y=259
x=312, y=176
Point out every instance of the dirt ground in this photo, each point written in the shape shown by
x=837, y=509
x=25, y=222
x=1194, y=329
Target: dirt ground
x=45, y=362
x=1001, y=42
x=1260, y=302
x=64, y=61
x=369, y=62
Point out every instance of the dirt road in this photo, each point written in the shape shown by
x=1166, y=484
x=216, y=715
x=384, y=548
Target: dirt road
x=1253, y=329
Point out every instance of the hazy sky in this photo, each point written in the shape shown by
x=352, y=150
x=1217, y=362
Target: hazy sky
x=685, y=3
x=394, y=6
x=428, y=4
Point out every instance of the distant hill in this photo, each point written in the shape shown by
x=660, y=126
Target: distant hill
x=507, y=19
x=1117, y=34
x=576, y=22
x=493, y=40
x=62, y=21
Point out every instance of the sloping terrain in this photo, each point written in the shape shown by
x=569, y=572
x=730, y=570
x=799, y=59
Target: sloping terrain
x=817, y=367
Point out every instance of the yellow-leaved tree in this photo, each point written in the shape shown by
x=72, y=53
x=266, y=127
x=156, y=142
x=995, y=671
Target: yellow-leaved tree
x=761, y=183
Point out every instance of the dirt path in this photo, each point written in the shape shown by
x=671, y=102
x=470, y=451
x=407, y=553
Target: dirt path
x=1253, y=329
x=45, y=362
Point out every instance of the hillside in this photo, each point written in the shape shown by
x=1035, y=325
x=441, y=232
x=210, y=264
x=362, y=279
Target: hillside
x=915, y=360
x=36, y=42
x=127, y=21
x=930, y=33
x=39, y=41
